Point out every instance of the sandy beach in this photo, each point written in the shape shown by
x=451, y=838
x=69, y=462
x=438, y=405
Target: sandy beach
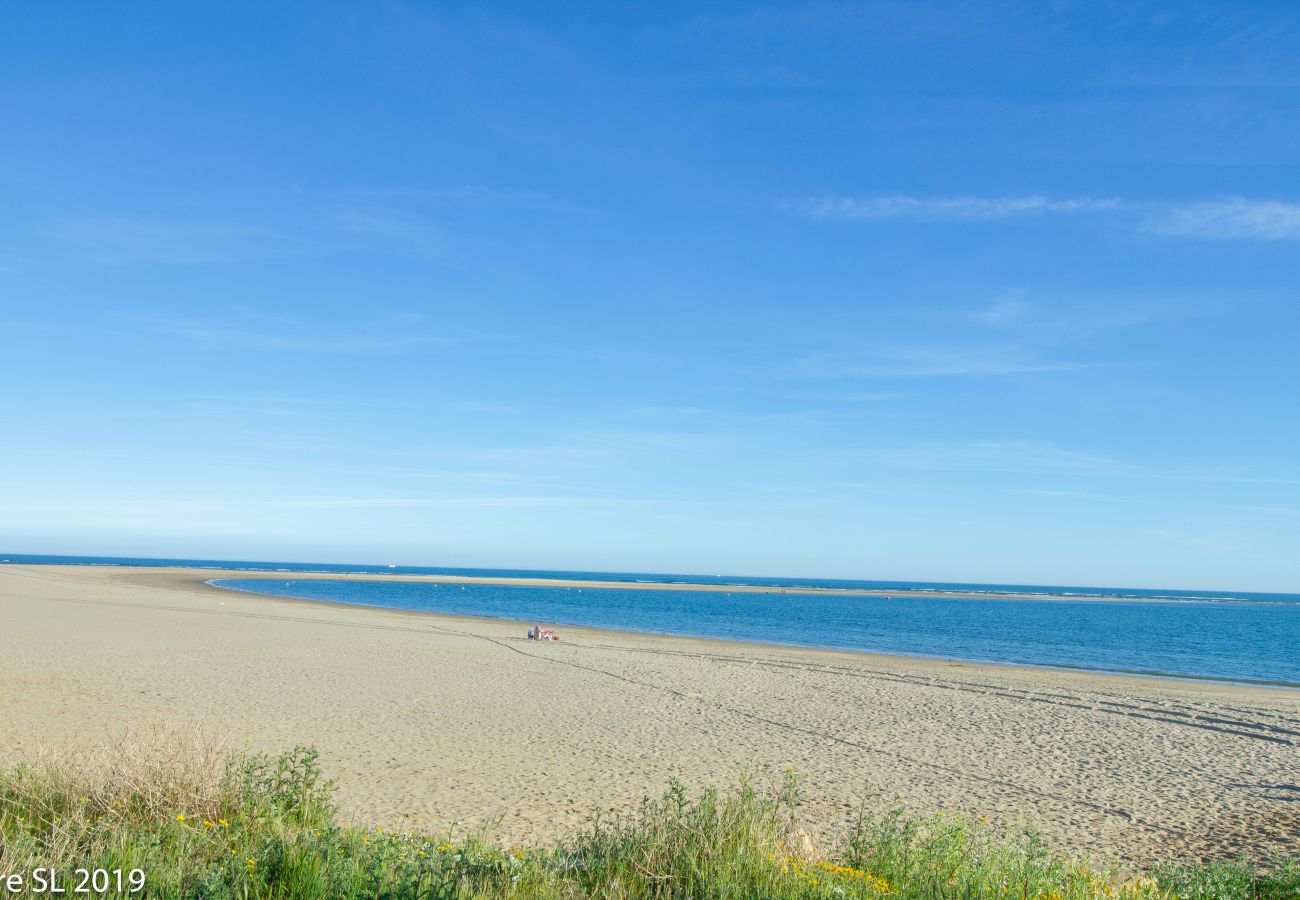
x=431, y=722
x=699, y=585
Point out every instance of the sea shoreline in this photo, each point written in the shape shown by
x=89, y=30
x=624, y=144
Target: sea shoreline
x=187, y=578
x=1076, y=594
x=631, y=632
x=433, y=722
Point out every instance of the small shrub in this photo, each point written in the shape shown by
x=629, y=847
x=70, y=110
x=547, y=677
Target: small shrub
x=290, y=786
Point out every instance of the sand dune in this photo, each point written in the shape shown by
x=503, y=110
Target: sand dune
x=431, y=722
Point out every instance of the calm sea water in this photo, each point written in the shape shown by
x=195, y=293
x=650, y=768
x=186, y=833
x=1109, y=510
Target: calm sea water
x=1246, y=637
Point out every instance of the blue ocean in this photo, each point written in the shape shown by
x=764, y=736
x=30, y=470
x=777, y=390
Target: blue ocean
x=1214, y=635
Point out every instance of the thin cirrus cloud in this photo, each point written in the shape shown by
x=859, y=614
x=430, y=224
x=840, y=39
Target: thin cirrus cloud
x=1235, y=217
x=1229, y=218
x=965, y=208
x=121, y=240
x=394, y=221
x=125, y=240
x=237, y=505
x=273, y=343
x=389, y=332
x=931, y=362
x=431, y=502
x=1058, y=494
x=1017, y=456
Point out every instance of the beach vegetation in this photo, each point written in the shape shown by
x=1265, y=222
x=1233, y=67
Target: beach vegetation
x=206, y=824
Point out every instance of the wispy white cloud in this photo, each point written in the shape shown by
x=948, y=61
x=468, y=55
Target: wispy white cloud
x=1004, y=311
x=959, y=209
x=1237, y=218
x=1229, y=218
x=374, y=333
x=666, y=412
x=1004, y=455
x=392, y=229
x=1069, y=495
x=343, y=408
x=828, y=416
x=132, y=240
x=1044, y=457
x=489, y=502
x=1010, y=456
x=267, y=341
x=1236, y=475
x=401, y=221
x=231, y=514
x=320, y=411
x=932, y=361
x=652, y=441
x=1009, y=336
x=848, y=396
x=1018, y=455
x=1068, y=320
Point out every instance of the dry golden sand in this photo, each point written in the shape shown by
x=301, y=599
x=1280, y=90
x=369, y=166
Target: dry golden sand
x=429, y=721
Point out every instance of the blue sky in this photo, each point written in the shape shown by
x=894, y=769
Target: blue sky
x=960, y=291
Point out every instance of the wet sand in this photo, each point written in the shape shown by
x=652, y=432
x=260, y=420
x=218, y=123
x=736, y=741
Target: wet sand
x=433, y=722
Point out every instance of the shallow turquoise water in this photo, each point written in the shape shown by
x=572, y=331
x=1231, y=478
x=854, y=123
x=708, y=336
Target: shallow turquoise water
x=1224, y=635
x=1247, y=641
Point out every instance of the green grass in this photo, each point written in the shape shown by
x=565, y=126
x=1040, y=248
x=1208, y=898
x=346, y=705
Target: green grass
x=203, y=825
